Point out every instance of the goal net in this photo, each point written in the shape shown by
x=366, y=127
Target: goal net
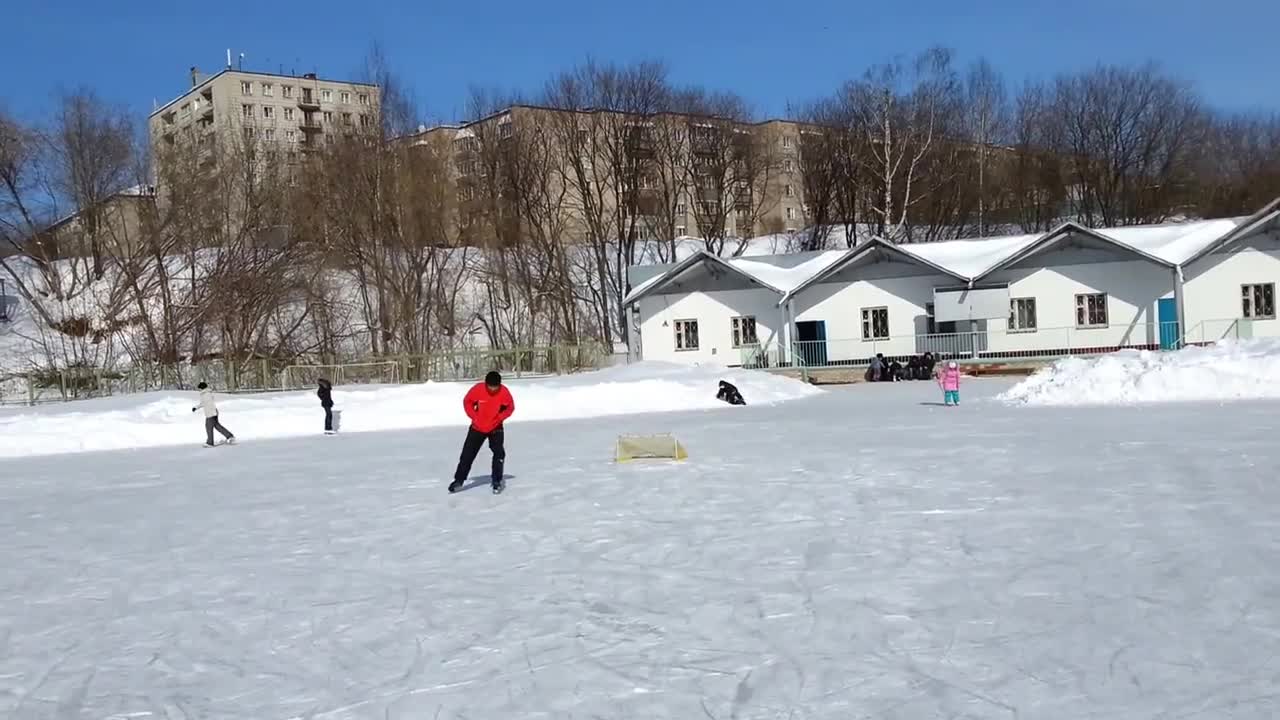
x=376, y=373
x=649, y=447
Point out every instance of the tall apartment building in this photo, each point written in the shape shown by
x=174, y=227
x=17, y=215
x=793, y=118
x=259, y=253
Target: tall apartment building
x=293, y=113
x=666, y=149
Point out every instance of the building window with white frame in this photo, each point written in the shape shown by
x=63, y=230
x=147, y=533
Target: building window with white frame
x=681, y=231
x=328, y=117
x=791, y=213
x=1258, y=301
x=246, y=110
x=268, y=90
x=326, y=95
x=744, y=332
x=875, y=323
x=246, y=88
x=788, y=165
x=269, y=134
x=686, y=334
x=291, y=135
x=286, y=91
x=788, y=141
x=268, y=111
x=790, y=191
x=288, y=113
x=346, y=98
x=681, y=209
x=1091, y=310
x=364, y=98
x=1022, y=315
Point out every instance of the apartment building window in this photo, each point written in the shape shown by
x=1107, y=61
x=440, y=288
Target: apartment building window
x=291, y=135
x=504, y=130
x=250, y=133
x=269, y=134
x=682, y=209
x=186, y=111
x=790, y=191
x=1258, y=302
x=364, y=120
x=268, y=90
x=744, y=332
x=1022, y=315
x=288, y=113
x=1091, y=310
x=681, y=231
x=875, y=323
x=346, y=118
x=686, y=334
x=364, y=98
x=326, y=95
x=286, y=91
x=788, y=141
x=246, y=88
x=268, y=111
x=791, y=213
x=346, y=98
x=788, y=165
x=247, y=111
x=328, y=117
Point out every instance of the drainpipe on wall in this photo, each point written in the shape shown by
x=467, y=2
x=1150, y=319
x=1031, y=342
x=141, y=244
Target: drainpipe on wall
x=1178, y=280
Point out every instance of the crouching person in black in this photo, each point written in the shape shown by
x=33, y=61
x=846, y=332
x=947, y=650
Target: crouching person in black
x=729, y=393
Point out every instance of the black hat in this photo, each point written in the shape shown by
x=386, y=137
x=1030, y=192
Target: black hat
x=202, y=386
x=493, y=379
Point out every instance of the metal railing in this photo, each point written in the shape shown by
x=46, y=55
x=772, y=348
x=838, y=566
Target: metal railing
x=992, y=345
x=266, y=375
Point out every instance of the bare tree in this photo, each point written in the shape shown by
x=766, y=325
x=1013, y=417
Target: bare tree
x=898, y=107
x=987, y=120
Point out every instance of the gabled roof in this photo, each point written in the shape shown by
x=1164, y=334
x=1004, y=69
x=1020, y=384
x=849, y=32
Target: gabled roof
x=1060, y=234
x=1269, y=214
x=861, y=251
x=649, y=286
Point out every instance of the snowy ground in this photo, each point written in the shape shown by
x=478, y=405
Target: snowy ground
x=858, y=554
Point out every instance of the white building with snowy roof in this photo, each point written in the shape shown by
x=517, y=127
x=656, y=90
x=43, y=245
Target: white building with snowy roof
x=1070, y=291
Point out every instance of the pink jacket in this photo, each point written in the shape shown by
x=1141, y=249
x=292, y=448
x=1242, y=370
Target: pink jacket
x=949, y=378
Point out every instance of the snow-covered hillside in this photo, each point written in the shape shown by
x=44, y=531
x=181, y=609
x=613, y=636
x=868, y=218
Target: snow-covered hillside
x=1229, y=370
x=154, y=419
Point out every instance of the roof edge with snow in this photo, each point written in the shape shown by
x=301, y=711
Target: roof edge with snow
x=648, y=287
x=1268, y=214
x=859, y=251
x=1050, y=239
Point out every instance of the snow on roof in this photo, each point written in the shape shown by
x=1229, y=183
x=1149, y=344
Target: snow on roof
x=969, y=258
x=1174, y=243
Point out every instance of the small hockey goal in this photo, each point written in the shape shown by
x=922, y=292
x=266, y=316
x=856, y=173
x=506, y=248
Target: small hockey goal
x=649, y=447
x=377, y=373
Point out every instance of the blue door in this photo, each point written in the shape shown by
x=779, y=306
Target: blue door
x=1169, y=334
x=811, y=342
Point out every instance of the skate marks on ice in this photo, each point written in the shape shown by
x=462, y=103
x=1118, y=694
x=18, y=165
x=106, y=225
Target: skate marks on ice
x=796, y=566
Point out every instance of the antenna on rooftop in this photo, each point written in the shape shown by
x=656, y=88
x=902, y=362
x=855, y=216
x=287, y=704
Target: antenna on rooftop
x=241, y=61
x=228, y=58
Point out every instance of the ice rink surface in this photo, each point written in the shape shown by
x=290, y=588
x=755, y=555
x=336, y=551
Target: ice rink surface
x=860, y=554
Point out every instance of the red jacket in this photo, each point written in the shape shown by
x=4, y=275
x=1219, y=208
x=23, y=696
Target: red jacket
x=487, y=412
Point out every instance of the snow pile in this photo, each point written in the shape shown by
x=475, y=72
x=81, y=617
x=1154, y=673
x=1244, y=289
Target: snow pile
x=156, y=419
x=1229, y=370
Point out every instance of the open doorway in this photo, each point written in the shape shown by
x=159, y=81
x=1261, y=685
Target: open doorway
x=811, y=342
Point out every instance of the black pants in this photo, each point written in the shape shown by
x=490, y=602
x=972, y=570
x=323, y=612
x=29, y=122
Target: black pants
x=328, y=418
x=211, y=424
x=471, y=448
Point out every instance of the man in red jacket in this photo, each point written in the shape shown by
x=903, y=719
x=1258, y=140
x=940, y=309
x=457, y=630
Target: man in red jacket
x=488, y=404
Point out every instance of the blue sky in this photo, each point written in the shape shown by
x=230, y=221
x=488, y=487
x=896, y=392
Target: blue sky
x=772, y=53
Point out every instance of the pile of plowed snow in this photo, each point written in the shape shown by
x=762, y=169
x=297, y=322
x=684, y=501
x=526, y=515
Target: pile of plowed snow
x=154, y=419
x=1229, y=370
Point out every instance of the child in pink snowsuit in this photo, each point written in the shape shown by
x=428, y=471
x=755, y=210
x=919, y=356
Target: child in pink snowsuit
x=949, y=381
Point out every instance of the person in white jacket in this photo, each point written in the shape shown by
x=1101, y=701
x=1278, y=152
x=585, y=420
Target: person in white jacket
x=211, y=416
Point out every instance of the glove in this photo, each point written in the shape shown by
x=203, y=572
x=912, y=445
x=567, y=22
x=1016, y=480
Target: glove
x=502, y=408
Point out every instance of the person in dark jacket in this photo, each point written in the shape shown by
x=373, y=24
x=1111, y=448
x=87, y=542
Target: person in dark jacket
x=325, y=393
x=728, y=392
x=926, y=366
x=488, y=404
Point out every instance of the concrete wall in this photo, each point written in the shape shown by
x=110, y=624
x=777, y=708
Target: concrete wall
x=714, y=312
x=1211, y=292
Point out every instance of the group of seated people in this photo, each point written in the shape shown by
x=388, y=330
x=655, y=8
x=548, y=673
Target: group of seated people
x=918, y=367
